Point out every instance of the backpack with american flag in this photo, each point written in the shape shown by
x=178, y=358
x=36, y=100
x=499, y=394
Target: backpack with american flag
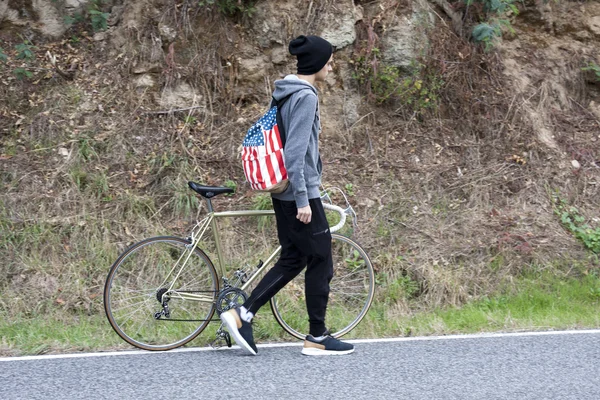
x=262, y=152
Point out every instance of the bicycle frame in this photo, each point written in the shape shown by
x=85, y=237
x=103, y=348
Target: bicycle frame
x=184, y=271
x=198, y=234
x=211, y=221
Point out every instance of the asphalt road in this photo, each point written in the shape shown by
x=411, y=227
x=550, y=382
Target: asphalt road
x=559, y=365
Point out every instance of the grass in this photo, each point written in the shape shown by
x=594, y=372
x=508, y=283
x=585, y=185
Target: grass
x=22, y=335
x=533, y=303
x=542, y=302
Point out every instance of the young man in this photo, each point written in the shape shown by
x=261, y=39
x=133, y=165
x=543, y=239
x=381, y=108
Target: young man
x=302, y=227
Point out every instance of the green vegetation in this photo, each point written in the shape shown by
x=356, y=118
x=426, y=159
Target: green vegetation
x=3, y=56
x=488, y=32
x=537, y=301
x=98, y=18
x=232, y=185
x=262, y=201
x=590, y=66
x=349, y=189
x=22, y=73
x=25, y=51
x=415, y=88
x=73, y=20
x=185, y=202
x=397, y=288
x=575, y=223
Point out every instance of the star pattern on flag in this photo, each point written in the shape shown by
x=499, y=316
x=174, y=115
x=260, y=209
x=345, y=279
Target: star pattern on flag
x=255, y=136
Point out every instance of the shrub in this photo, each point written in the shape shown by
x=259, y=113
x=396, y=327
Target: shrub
x=591, y=66
x=416, y=89
x=25, y=51
x=488, y=32
x=575, y=223
x=99, y=19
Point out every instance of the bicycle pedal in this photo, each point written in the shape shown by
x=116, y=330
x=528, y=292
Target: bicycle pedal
x=222, y=335
x=216, y=344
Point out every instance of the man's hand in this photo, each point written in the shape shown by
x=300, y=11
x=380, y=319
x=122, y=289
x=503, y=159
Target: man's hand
x=304, y=214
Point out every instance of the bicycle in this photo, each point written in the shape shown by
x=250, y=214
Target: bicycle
x=162, y=292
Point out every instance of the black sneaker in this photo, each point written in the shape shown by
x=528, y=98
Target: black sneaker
x=239, y=329
x=328, y=346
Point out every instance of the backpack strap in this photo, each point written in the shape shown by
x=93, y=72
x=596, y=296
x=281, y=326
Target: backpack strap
x=279, y=103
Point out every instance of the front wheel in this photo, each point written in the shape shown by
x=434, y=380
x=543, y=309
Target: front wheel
x=351, y=292
x=160, y=294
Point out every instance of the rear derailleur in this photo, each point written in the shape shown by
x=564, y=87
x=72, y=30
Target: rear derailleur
x=164, y=301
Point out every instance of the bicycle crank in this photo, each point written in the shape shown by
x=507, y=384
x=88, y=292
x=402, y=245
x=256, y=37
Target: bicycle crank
x=230, y=298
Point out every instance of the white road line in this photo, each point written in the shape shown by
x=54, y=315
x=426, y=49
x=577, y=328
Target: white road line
x=297, y=344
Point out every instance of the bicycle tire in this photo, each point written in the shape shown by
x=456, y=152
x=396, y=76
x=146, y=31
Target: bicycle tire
x=140, y=276
x=351, y=293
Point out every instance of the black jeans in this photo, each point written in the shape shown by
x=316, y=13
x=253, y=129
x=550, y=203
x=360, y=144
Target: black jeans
x=302, y=245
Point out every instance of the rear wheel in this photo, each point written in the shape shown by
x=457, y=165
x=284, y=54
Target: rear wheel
x=351, y=292
x=154, y=304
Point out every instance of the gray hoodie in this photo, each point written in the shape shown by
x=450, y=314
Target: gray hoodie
x=300, y=115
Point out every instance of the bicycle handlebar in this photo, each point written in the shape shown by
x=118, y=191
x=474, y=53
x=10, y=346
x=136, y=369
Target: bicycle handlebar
x=340, y=211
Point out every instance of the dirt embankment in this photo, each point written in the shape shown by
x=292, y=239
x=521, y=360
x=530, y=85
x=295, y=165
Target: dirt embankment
x=102, y=128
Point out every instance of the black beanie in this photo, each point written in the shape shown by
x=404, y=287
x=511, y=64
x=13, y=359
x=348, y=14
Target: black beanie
x=313, y=53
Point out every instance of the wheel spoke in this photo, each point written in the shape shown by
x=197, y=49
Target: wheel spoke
x=351, y=292
x=140, y=278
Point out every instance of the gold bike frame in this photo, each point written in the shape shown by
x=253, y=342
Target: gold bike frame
x=235, y=214
x=211, y=221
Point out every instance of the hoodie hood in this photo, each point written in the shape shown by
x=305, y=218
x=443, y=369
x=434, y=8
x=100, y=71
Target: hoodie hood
x=290, y=85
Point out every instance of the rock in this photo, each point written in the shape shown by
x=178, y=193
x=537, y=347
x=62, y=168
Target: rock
x=399, y=44
x=402, y=41
x=146, y=67
x=583, y=36
x=270, y=22
x=100, y=36
x=136, y=12
x=115, y=15
x=575, y=164
x=50, y=22
x=367, y=203
x=593, y=24
x=253, y=69
x=341, y=32
x=9, y=14
x=167, y=33
x=279, y=55
x=144, y=81
x=595, y=108
x=75, y=4
x=351, y=114
x=180, y=96
x=86, y=106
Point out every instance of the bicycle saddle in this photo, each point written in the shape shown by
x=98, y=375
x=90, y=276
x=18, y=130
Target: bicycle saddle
x=209, y=191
